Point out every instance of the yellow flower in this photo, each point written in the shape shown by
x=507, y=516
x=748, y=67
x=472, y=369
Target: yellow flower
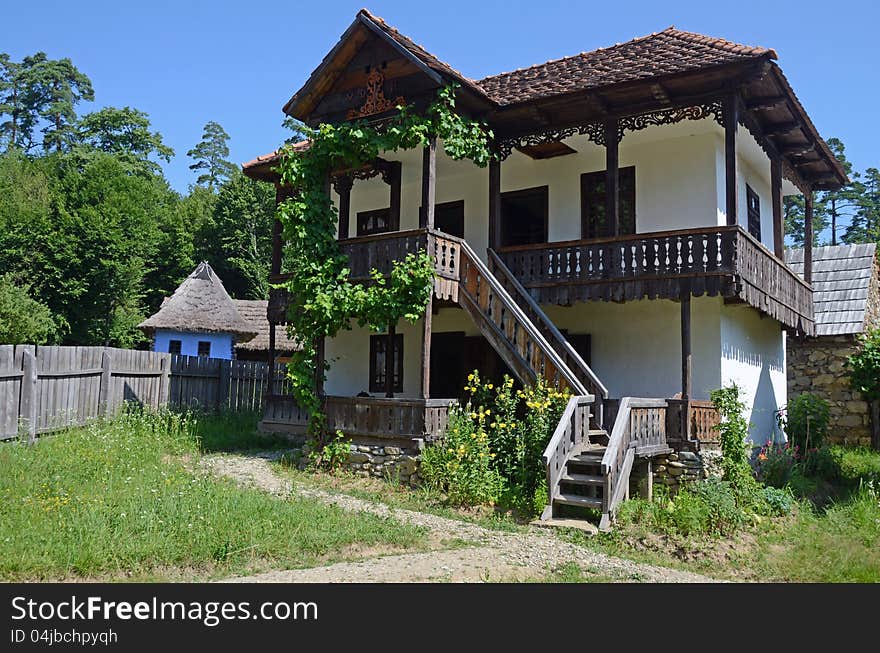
x=488, y=412
x=490, y=386
x=493, y=425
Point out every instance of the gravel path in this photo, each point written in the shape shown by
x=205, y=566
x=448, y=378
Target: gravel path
x=490, y=554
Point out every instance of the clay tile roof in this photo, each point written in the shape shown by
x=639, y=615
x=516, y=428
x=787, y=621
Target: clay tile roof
x=200, y=305
x=662, y=53
x=254, y=311
x=842, y=277
x=273, y=157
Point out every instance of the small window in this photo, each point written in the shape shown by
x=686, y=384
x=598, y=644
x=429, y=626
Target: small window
x=204, y=348
x=593, y=203
x=174, y=346
x=524, y=216
x=449, y=218
x=374, y=222
x=754, y=208
x=378, y=348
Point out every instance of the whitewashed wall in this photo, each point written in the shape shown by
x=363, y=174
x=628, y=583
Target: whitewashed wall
x=753, y=357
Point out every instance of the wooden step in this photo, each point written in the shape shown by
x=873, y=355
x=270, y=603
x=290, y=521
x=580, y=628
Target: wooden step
x=594, y=457
x=581, y=479
x=577, y=500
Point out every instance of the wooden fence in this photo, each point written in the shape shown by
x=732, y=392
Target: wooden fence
x=44, y=389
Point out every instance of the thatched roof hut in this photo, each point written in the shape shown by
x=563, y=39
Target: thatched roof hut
x=201, y=305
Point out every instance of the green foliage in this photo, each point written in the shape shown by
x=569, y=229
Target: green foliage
x=461, y=465
x=235, y=237
x=129, y=497
x=324, y=300
x=331, y=455
x=210, y=157
x=864, y=365
x=806, y=421
x=126, y=133
x=734, y=430
x=492, y=452
x=23, y=319
x=775, y=464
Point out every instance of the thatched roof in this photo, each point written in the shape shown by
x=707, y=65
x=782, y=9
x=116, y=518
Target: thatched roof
x=254, y=311
x=201, y=305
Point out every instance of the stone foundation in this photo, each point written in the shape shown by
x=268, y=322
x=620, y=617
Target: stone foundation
x=674, y=470
x=393, y=463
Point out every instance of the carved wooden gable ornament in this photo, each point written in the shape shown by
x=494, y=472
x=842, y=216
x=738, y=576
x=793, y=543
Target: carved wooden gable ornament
x=376, y=102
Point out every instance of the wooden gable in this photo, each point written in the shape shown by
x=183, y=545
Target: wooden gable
x=366, y=75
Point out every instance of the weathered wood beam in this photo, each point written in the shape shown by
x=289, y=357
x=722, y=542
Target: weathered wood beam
x=660, y=94
x=774, y=130
x=495, y=204
x=395, y=174
x=686, y=354
x=731, y=122
x=798, y=150
x=429, y=183
x=765, y=103
x=612, y=178
x=426, y=349
x=776, y=199
x=343, y=186
x=808, y=235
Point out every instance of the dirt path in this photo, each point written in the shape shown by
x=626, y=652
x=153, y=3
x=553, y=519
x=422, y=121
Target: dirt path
x=488, y=554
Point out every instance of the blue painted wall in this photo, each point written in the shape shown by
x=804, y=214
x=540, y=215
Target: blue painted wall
x=221, y=343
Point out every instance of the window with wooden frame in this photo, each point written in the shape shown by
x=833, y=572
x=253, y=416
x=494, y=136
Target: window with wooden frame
x=377, y=221
x=174, y=346
x=378, y=352
x=753, y=204
x=205, y=348
x=593, y=224
x=524, y=216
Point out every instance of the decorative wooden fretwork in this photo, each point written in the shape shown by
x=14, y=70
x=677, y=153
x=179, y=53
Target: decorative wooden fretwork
x=378, y=167
x=595, y=131
x=376, y=101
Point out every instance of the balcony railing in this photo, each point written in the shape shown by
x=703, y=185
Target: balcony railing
x=726, y=261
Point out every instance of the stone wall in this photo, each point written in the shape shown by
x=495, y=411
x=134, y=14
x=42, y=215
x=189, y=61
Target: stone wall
x=393, y=463
x=817, y=366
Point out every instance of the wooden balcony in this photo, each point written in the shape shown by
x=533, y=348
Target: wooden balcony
x=726, y=261
x=379, y=252
x=397, y=421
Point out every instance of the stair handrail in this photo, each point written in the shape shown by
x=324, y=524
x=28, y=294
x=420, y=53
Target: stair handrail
x=598, y=387
x=619, y=454
x=511, y=305
x=572, y=430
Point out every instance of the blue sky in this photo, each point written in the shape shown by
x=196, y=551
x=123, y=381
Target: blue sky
x=185, y=63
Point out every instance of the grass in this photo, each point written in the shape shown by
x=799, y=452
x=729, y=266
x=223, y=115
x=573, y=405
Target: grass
x=126, y=499
x=831, y=535
x=397, y=495
x=234, y=431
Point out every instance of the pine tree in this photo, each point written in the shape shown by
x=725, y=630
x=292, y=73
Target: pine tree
x=210, y=157
x=845, y=202
x=57, y=87
x=865, y=226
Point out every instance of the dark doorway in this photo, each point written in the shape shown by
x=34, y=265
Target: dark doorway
x=524, y=216
x=449, y=218
x=447, y=364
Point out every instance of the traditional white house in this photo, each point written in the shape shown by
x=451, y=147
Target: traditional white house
x=626, y=242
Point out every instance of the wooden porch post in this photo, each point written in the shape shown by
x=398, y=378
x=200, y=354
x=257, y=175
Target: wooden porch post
x=495, y=204
x=776, y=197
x=808, y=235
x=396, y=175
x=429, y=183
x=319, y=367
x=275, y=268
x=731, y=120
x=389, y=361
x=612, y=178
x=343, y=186
x=426, y=349
x=686, y=361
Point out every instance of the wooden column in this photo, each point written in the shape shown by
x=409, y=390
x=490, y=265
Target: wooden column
x=495, y=204
x=776, y=198
x=429, y=184
x=426, y=349
x=389, y=361
x=686, y=357
x=275, y=268
x=612, y=177
x=319, y=367
x=343, y=186
x=808, y=235
x=731, y=120
x=394, y=202
x=270, y=384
